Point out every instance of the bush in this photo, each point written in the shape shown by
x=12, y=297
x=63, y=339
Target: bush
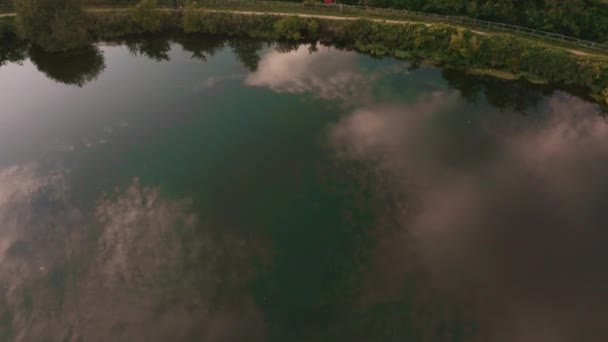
x=146, y=16
x=142, y=18
x=461, y=47
x=296, y=28
x=586, y=19
x=227, y=24
x=53, y=25
x=438, y=43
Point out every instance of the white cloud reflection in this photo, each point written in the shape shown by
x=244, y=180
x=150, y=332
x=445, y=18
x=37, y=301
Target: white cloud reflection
x=517, y=229
x=140, y=267
x=215, y=81
x=327, y=74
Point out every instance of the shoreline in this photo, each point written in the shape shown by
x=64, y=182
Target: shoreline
x=502, y=56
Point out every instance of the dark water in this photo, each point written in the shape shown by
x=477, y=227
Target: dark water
x=193, y=189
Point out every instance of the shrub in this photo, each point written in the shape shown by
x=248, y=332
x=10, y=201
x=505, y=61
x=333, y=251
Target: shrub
x=296, y=28
x=438, y=43
x=464, y=46
x=147, y=17
x=255, y=26
x=53, y=25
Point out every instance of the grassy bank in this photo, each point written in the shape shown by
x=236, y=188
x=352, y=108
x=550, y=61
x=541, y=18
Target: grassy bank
x=438, y=43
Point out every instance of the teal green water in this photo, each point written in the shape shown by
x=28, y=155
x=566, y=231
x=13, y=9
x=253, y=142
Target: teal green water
x=194, y=189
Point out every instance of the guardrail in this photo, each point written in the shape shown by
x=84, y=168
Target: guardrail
x=406, y=14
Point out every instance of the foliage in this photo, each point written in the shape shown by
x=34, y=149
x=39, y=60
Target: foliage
x=581, y=18
x=228, y=24
x=71, y=68
x=114, y=24
x=53, y=25
x=147, y=17
x=439, y=43
x=296, y=28
x=464, y=45
x=291, y=28
x=460, y=47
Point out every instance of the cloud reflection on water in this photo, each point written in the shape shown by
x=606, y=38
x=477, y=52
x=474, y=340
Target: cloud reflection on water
x=327, y=74
x=138, y=267
x=518, y=230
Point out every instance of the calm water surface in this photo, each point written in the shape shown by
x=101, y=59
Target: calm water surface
x=193, y=189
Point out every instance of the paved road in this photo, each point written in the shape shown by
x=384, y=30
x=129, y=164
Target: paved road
x=7, y=15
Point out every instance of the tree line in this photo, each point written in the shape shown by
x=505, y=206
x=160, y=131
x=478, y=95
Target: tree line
x=587, y=19
x=61, y=25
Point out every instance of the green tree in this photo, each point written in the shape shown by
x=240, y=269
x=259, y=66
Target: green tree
x=296, y=28
x=53, y=25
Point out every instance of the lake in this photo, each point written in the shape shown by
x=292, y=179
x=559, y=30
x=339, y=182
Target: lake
x=188, y=188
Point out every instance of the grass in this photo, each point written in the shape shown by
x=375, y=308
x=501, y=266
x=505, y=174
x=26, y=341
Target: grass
x=505, y=75
x=375, y=13
x=348, y=12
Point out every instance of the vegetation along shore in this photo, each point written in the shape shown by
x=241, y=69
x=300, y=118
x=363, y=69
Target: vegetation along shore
x=65, y=26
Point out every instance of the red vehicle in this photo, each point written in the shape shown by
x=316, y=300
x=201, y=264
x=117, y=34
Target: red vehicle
x=328, y=1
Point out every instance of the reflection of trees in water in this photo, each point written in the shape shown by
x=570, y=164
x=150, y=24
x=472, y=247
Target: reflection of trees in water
x=11, y=49
x=502, y=94
x=153, y=47
x=247, y=51
x=286, y=46
x=201, y=46
x=74, y=68
x=12, y=52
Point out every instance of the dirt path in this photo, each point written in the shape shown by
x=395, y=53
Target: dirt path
x=389, y=21
x=316, y=16
x=332, y=17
